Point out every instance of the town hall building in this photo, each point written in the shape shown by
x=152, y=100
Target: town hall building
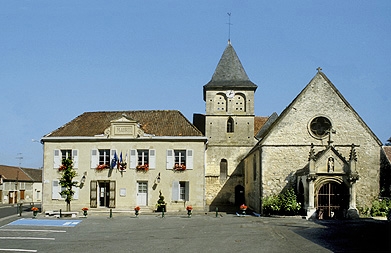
x=319, y=146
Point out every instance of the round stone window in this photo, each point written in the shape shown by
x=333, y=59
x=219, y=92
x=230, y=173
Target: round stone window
x=319, y=127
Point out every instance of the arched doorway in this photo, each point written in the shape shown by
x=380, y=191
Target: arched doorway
x=331, y=200
x=239, y=195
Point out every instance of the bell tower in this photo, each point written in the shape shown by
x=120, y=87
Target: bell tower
x=229, y=124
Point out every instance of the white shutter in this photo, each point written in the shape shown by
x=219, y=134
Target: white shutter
x=56, y=189
x=152, y=159
x=170, y=159
x=75, y=158
x=187, y=191
x=94, y=158
x=175, y=191
x=57, y=159
x=76, y=195
x=133, y=158
x=189, y=159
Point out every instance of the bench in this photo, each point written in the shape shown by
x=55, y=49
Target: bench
x=63, y=214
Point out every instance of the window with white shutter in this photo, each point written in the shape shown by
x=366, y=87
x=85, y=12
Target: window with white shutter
x=94, y=158
x=175, y=191
x=152, y=159
x=57, y=159
x=189, y=159
x=75, y=158
x=133, y=158
x=170, y=159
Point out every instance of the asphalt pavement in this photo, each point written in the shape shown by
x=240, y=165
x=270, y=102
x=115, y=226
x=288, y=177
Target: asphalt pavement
x=175, y=232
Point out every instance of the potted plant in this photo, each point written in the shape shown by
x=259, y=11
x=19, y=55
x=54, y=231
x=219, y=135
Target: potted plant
x=243, y=207
x=189, y=210
x=35, y=211
x=161, y=205
x=136, y=210
x=101, y=167
x=84, y=209
x=142, y=167
x=179, y=167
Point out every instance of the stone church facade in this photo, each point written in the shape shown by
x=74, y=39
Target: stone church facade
x=319, y=146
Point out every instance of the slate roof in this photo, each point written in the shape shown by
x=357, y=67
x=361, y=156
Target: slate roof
x=229, y=73
x=12, y=173
x=154, y=122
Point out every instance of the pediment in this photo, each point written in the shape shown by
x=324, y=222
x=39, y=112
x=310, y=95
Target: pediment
x=124, y=127
x=330, y=161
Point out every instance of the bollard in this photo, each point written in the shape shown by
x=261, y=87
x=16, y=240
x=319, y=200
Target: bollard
x=111, y=213
x=20, y=209
x=60, y=213
x=163, y=212
x=217, y=212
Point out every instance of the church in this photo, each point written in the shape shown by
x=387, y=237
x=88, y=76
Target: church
x=319, y=146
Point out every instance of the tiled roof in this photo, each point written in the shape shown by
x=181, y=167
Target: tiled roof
x=13, y=173
x=34, y=174
x=154, y=122
x=387, y=152
x=258, y=123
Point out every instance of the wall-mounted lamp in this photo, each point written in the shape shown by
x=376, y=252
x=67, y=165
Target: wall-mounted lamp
x=158, y=178
x=83, y=180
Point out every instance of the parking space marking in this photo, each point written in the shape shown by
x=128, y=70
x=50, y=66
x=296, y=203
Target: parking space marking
x=25, y=238
x=45, y=222
x=32, y=230
x=19, y=250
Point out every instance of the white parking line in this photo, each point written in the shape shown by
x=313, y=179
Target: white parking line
x=26, y=238
x=19, y=250
x=33, y=230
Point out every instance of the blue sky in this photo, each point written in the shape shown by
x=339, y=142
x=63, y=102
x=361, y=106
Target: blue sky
x=59, y=59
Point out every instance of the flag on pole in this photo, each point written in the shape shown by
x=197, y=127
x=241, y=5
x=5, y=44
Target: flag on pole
x=114, y=160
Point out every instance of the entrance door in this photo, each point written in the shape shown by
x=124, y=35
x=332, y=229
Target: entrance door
x=104, y=194
x=142, y=193
x=239, y=195
x=330, y=200
x=12, y=196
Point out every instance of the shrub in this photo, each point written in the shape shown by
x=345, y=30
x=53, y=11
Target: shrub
x=283, y=204
x=380, y=207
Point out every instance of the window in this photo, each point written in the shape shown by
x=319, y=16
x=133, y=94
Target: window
x=223, y=169
x=180, y=191
x=102, y=156
x=230, y=125
x=239, y=103
x=319, y=127
x=57, y=188
x=220, y=103
x=60, y=154
x=139, y=157
x=142, y=156
x=179, y=157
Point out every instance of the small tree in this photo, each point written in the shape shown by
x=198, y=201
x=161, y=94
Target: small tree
x=66, y=181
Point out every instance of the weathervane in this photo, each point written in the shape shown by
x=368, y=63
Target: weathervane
x=229, y=26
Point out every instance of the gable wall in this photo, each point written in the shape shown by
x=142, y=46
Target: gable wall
x=286, y=149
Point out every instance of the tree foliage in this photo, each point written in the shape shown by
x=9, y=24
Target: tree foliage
x=66, y=181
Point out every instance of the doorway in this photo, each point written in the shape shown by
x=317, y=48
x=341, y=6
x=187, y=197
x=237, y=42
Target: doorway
x=239, y=195
x=12, y=196
x=142, y=193
x=104, y=194
x=331, y=200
